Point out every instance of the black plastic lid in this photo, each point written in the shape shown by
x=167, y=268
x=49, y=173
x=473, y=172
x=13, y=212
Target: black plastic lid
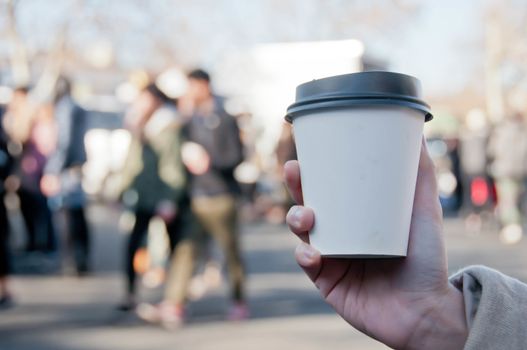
x=364, y=88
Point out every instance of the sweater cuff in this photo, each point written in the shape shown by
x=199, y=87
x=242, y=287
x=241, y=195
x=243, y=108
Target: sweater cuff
x=495, y=308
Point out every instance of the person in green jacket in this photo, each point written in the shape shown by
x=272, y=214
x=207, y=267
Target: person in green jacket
x=154, y=178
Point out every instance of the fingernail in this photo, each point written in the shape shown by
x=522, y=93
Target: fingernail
x=296, y=216
x=307, y=252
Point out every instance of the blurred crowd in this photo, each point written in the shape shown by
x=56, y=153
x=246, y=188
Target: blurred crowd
x=41, y=158
x=179, y=171
x=186, y=176
x=482, y=172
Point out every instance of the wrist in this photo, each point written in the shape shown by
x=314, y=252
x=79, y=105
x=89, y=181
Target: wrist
x=442, y=326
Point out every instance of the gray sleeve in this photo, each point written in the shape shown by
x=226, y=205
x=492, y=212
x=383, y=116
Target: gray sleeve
x=495, y=308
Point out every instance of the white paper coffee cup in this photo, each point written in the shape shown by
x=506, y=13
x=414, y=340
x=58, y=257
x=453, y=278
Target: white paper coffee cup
x=358, y=161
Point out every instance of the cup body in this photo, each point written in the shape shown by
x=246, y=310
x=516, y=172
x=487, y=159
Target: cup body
x=359, y=169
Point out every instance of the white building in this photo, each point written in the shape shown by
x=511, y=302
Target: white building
x=263, y=79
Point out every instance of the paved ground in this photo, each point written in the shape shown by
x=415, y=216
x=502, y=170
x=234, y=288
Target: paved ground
x=56, y=312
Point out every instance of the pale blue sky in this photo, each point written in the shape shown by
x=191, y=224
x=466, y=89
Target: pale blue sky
x=442, y=44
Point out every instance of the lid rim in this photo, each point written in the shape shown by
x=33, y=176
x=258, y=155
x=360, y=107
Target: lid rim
x=296, y=109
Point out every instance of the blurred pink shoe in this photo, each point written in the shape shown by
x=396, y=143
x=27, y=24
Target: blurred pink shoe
x=168, y=315
x=172, y=316
x=238, y=312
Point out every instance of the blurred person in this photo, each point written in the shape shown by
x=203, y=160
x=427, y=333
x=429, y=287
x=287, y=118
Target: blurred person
x=249, y=172
x=24, y=122
x=410, y=303
x=285, y=151
x=153, y=179
x=477, y=184
x=211, y=153
x=62, y=180
x=6, y=162
x=508, y=151
x=19, y=116
x=455, y=199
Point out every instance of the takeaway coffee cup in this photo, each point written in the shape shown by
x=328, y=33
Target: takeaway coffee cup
x=358, y=139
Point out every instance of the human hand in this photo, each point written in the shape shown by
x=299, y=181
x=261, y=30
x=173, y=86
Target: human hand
x=195, y=158
x=406, y=303
x=50, y=185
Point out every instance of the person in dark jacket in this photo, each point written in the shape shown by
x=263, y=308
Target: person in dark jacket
x=507, y=149
x=6, y=163
x=211, y=153
x=62, y=180
x=153, y=178
x=24, y=123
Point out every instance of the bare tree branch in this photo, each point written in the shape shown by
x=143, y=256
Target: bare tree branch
x=18, y=53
